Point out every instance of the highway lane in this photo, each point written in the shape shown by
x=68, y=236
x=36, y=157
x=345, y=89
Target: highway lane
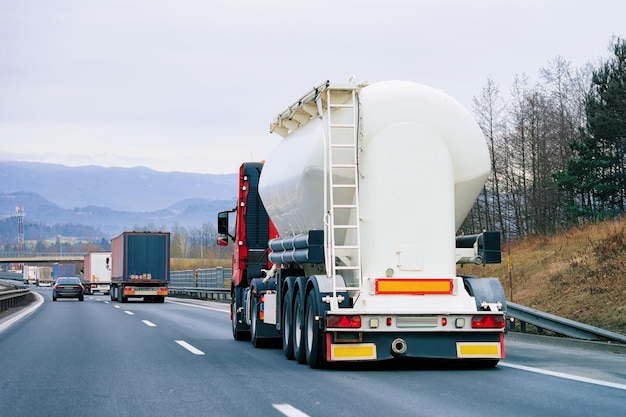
x=179, y=358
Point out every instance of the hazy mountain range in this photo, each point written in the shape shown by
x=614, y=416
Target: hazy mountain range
x=111, y=200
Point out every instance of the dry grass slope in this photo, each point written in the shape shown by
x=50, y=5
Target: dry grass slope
x=579, y=274
x=191, y=264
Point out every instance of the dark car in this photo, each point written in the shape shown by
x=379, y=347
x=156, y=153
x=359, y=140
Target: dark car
x=68, y=287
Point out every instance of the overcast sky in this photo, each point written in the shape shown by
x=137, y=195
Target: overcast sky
x=192, y=85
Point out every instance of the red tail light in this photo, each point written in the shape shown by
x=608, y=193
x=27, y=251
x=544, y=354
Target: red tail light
x=78, y=287
x=343, y=321
x=487, y=322
x=57, y=287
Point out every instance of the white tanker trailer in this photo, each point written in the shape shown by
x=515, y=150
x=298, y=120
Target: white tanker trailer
x=363, y=196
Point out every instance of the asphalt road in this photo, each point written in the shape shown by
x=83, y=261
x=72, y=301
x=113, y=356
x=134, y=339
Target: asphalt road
x=98, y=358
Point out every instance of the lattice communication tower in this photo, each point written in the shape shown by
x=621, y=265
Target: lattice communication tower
x=19, y=211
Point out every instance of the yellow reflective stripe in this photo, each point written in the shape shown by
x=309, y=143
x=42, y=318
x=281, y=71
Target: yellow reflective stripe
x=352, y=351
x=478, y=350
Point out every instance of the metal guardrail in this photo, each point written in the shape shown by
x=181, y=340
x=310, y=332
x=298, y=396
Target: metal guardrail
x=560, y=325
x=12, y=298
x=213, y=283
x=198, y=292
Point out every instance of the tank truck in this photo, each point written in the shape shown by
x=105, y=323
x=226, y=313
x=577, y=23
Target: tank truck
x=344, y=238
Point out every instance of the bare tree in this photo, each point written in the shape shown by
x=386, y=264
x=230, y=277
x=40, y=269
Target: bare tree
x=180, y=242
x=490, y=108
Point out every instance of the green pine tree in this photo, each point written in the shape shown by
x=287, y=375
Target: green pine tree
x=596, y=175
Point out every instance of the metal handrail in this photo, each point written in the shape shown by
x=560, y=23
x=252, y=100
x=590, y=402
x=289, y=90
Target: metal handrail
x=561, y=325
x=29, y=253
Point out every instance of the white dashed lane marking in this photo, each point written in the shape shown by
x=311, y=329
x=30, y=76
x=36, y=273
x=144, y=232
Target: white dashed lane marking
x=289, y=411
x=189, y=347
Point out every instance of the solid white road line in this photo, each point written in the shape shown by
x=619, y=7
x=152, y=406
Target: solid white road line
x=148, y=323
x=198, y=306
x=289, y=411
x=564, y=376
x=189, y=347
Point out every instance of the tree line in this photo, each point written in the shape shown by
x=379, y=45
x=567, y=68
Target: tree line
x=557, y=147
x=185, y=242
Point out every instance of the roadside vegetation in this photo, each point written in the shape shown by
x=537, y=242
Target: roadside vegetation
x=557, y=189
x=187, y=264
x=579, y=274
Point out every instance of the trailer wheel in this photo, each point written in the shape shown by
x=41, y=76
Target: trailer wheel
x=287, y=325
x=298, y=328
x=312, y=334
x=112, y=294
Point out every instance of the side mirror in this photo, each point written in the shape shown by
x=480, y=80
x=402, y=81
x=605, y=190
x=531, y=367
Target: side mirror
x=222, y=222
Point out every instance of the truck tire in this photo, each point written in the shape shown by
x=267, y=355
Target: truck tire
x=120, y=295
x=287, y=325
x=254, y=323
x=313, y=336
x=238, y=334
x=112, y=294
x=298, y=328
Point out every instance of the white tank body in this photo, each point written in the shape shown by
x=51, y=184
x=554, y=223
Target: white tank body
x=422, y=162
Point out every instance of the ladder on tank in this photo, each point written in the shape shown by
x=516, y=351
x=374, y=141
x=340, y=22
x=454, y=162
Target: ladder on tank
x=342, y=234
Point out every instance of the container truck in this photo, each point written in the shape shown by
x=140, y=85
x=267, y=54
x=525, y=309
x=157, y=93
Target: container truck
x=97, y=272
x=344, y=238
x=44, y=276
x=140, y=266
x=63, y=270
x=29, y=274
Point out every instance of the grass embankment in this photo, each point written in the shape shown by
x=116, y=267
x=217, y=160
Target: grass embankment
x=191, y=264
x=579, y=274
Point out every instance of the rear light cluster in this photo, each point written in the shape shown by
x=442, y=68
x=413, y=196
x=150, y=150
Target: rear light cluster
x=343, y=322
x=487, y=322
x=483, y=321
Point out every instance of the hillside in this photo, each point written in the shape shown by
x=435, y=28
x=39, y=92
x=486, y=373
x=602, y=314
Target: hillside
x=579, y=274
x=101, y=222
x=107, y=200
x=125, y=189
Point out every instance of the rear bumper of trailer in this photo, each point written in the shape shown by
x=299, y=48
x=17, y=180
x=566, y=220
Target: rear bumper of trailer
x=365, y=346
